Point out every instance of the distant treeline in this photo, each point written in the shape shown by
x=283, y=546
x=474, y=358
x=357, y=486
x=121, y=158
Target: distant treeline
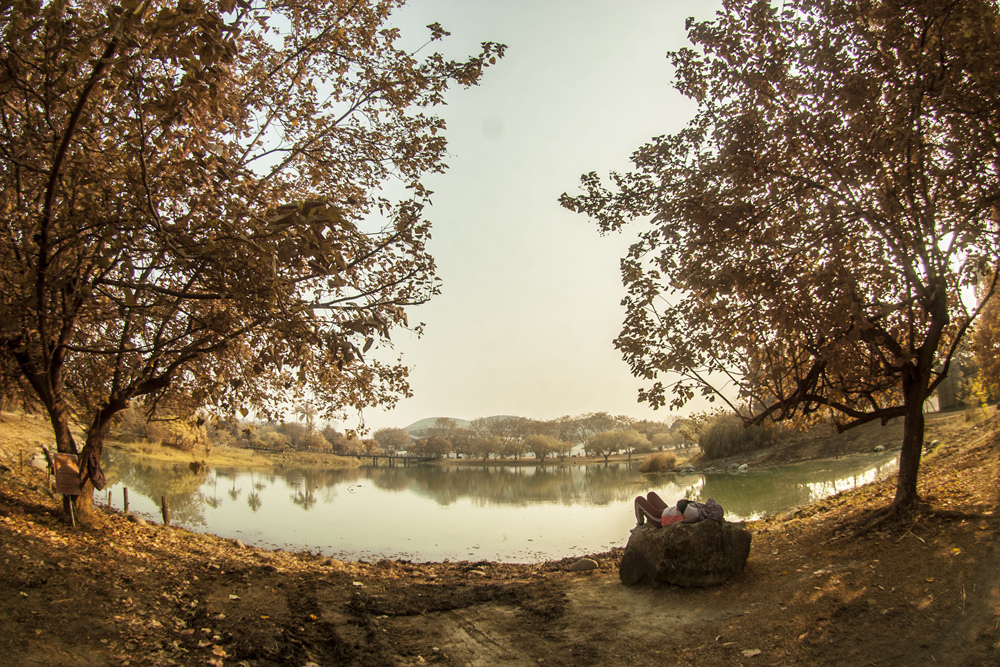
x=487, y=438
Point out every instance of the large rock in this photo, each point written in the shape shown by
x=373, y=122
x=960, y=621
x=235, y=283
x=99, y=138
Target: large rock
x=706, y=553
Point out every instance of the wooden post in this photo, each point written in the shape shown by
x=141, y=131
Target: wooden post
x=165, y=510
x=109, y=497
x=125, y=495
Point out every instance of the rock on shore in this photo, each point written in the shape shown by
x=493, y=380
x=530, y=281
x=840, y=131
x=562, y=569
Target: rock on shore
x=706, y=553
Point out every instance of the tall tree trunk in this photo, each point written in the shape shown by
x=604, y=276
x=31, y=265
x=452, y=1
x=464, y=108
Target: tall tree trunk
x=45, y=377
x=914, y=393
x=93, y=449
x=59, y=418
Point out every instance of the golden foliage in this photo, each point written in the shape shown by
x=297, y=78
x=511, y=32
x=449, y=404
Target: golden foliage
x=192, y=202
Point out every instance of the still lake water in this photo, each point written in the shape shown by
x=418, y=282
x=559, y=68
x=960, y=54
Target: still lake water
x=433, y=513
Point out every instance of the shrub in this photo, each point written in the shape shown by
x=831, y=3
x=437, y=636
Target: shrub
x=658, y=462
x=314, y=441
x=131, y=424
x=727, y=435
x=271, y=440
x=177, y=434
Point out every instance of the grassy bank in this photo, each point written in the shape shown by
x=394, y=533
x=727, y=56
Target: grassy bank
x=817, y=589
x=232, y=457
x=24, y=434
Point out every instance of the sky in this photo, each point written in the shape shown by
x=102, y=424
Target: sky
x=530, y=298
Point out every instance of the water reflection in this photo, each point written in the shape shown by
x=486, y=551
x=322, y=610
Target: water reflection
x=433, y=513
x=254, y=501
x=182, y=486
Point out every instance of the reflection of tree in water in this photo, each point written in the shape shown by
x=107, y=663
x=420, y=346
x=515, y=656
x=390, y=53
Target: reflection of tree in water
x=742, y=495
x=755, y=494
x=607, y=484
x=234, y=493
x=214, y=501
x=673, y=486
x=507, y=485
x=760, y=493
x=306, y=498
x=319, y=478
x=306, y=481
x=750, y=494
x=254, y=500
x=176, y=481
x=391, y=478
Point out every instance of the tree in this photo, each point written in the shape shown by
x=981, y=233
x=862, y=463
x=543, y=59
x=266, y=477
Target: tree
x=603, y=444
x=650, y=428
x=985, y=345
x=349, y=446
x=449, y=429
x=666, y=440
x=307, y=412
x=461, y=441
x=631, y=441
x=336, y=439
x=510, y=430
x=443, y=426
x=726, y=435
x=313, y=441
x=567, y=429
x=295, y=432
x=192, y=209
x=543, y=446
x=814, y=225
x=392, y=439
x=596, y=422
x=485, y=446
x=436, y=446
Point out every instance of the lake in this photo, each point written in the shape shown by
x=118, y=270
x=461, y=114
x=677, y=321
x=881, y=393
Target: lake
x=434, y=513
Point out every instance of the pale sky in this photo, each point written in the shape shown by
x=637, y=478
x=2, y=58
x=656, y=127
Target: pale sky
x=530, y=300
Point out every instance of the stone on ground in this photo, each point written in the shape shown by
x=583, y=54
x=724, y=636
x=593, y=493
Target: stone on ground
x=706, y=553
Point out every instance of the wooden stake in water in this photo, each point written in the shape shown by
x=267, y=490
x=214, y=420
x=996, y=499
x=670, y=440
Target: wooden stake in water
x=125, y=494
x=165, y=510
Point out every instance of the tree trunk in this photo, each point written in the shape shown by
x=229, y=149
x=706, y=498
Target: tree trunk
x=59, y=418
x=84, y=502
x=913, y=442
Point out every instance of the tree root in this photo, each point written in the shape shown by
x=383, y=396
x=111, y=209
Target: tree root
x=892, y=517
x=902, y=518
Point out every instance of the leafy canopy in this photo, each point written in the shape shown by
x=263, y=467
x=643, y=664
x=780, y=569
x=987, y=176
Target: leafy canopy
x=190, y=201
x=814, y=227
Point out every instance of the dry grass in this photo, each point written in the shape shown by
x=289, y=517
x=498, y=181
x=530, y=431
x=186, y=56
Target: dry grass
x=659, y=462
x=21, y=435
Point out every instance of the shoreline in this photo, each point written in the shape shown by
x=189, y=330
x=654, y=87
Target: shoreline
x=119, y=593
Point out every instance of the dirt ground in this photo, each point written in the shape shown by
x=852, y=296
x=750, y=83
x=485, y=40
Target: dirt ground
x=817, y=589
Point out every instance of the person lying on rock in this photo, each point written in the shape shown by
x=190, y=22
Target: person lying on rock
x=655, y=510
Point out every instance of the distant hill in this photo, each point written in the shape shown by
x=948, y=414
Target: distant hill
x=417, y=427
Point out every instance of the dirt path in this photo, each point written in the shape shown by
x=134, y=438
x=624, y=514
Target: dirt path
x=921, y=591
